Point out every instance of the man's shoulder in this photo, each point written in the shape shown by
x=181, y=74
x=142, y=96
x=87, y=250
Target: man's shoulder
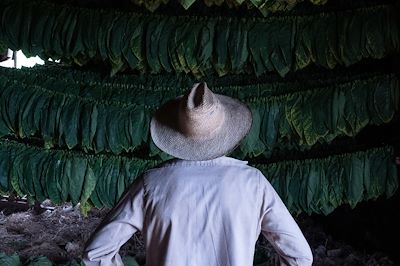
x=218, y=166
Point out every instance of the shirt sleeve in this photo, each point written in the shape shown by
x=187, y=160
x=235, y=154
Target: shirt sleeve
x=281, y=230
x=118, y=227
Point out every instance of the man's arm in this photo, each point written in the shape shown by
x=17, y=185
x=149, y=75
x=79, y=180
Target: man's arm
x=281, y=230
x=120, y=224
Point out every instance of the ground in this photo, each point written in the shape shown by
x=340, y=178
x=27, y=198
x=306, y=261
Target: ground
x=60, y=234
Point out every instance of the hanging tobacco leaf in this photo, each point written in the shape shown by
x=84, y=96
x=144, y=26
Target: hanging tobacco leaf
x=198, y=45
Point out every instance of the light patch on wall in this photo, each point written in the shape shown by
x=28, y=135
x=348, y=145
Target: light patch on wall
x=21, y=60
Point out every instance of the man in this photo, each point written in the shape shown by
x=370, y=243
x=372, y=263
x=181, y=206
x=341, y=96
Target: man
x=203, y=209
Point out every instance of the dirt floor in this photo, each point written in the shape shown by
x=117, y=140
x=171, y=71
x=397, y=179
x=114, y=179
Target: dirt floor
x=60, y=234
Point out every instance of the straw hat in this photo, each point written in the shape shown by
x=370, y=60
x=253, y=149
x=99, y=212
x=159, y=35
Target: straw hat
x=200, y=125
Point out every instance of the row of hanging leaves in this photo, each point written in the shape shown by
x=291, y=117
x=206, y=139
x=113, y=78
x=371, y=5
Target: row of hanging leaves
x=102, y=118
x=265, y=6
x=63, y=176
x=123, y=87
x=199, y=45
x=312, y=185
x=321, y=185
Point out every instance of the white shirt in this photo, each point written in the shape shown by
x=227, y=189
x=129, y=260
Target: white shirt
x=200, y=213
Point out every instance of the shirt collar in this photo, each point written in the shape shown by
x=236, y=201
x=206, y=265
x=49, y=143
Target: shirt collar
x=223, y=160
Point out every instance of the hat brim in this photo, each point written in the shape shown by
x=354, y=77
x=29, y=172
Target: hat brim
x=167, y=137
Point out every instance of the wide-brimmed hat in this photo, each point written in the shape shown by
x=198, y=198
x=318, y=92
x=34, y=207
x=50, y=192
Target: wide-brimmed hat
x=200, y=125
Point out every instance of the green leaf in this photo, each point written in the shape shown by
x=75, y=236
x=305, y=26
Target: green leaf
x=163, y=38
x=16, y=174
x=281, y=53
x=104, y=182
x=153, y=34
x=251, y=144
x=29, y=172
x=303, y=46
x=188, y=46
x=5, y=168
x=129, y=261
x=85, y=208
x=355, y=185
x=116, y=35
x=98, y=169
x=359, y=97
x=89, y=185
x=102, y=34
x=136, y=43
x=270, y=125
x=26, y=116
x=375, y=35
x=100, y=135
x=39, y=160
x=85, y=125
x=298, y=115
x=383, y=102
x=13, y=106
x=237, y=46
x=206, y=41
x=112, y=181
x=392, y=182
x=52, y=176
x=221, y=38
x=114, y=133
x=121, y=185
x=186, y=3
x=77, y=178
x=9, y=260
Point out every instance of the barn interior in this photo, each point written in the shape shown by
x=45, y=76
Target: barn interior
x=321, y=78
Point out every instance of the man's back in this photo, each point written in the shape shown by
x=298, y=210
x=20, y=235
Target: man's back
x=202, y=213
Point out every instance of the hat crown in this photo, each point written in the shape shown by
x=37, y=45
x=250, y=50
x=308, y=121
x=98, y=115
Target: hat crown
x=200, y=113
x=200, y=98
